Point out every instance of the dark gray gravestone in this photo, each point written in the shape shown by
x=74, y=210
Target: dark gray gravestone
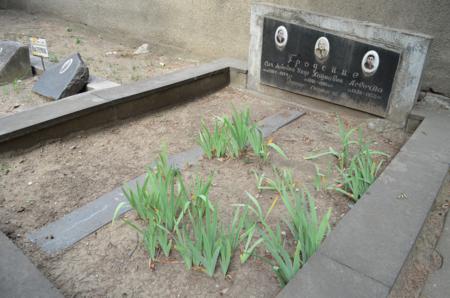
x=14, y=61
x=64, y=79
x=327, y=66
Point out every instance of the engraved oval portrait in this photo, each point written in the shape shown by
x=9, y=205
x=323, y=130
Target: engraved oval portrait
x=370, y=62
x=281, y=37
x=65, y=66
x=322, y=49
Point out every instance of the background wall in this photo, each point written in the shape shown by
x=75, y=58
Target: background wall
x=218, y=28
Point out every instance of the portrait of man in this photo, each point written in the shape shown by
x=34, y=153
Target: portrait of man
x=322, y=49
x=281, y=37
x=370, y=62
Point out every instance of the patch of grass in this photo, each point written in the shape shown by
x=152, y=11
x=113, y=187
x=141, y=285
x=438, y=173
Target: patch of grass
x=77, y=40
x=53, y=58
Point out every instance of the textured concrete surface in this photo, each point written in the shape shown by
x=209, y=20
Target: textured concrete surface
x=213, y=24
x=85, y=220
x=19, y=278
x=375, y=238
x=323, y=277
x=413, y=48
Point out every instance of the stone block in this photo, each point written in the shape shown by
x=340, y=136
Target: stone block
x=14, y=62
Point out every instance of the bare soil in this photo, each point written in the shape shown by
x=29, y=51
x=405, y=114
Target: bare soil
x=107, y=55
x=42, y=184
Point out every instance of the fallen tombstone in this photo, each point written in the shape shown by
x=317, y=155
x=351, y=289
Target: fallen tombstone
x=64, y=79
x=14, y=62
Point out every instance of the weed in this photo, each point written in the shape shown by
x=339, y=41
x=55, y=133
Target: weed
x=215, y=143
x=343, y=156
x=361, y=173
x=53, y=58
x=283, y=178
x=233, y=136
x=261, y=148
x=237, y=128
x=77, y=40
x=304, y=222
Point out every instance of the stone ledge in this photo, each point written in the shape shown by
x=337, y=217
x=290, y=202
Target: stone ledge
x=52, y=114
x=323, y=277
x=19, y=277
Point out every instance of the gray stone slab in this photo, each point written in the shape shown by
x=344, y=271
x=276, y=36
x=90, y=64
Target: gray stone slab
x=14, y=62
x=376, y=237
x=66, y=78
x=323, y=277
x=413, y=48
x=96, y=83
x=19, y=278
x=47, y=115
x=85, y=220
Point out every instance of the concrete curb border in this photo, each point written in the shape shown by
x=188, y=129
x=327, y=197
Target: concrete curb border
x=19, y=277
x=90, y=109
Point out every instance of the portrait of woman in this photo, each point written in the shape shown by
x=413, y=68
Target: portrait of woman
x=322, y=49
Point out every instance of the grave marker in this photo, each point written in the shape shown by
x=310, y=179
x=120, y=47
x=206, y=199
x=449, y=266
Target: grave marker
x=327, y=66
x=352, y=63
x=64, y=79
x=14, y=62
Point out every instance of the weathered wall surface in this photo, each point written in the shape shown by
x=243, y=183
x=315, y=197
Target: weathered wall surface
x=221, y=27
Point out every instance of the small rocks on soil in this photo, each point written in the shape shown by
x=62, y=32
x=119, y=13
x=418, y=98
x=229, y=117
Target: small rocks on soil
x=143, y=49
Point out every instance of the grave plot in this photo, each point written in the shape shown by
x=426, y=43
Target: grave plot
x=107, y=56
x=45, y=183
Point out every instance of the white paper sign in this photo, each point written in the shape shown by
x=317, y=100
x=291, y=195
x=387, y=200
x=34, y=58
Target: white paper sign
x=38, y=47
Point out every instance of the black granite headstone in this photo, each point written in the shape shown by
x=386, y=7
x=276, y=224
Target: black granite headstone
x=327, y=66
x=64, y=79
x=14, y=61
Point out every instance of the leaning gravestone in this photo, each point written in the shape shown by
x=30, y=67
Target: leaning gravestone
x=64, y=79
x=356, y=64
x=14, y=62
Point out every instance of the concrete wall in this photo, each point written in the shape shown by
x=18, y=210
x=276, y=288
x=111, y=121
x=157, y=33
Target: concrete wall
x=221, y=27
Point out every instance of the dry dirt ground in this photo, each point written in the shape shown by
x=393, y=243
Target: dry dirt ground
x=424, y=259
x=107, y=55
x=43, y=183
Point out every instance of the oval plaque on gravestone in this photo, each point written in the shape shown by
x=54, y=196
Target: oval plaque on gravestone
x=64, y=79
x=327, y=66
x=14, y=62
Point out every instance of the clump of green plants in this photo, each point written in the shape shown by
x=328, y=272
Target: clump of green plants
x=304, y=224
x=161, y=202
x=357, y=168
x=233, y=136
x=362, y=171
